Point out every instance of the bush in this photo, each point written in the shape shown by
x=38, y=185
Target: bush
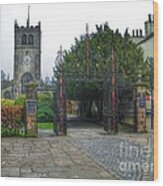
x=12, y=120
x=45, y=113
x=20, y=100
x=7, y=102
x=45, y=107
x=12, y=116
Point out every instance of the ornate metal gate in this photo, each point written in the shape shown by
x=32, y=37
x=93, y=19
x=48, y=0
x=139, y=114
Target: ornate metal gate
x=114, y=107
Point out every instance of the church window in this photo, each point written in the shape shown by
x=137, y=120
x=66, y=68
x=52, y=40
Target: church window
x=27, y=77
x=24, y=39
x=30, y=39
x=7, y=95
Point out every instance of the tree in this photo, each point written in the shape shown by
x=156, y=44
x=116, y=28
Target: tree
x=91, y=56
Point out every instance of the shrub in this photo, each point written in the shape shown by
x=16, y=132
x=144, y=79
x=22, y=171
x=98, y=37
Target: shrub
x=20, y=100
x=12, y=120
x=45, y=107
x=7, y=102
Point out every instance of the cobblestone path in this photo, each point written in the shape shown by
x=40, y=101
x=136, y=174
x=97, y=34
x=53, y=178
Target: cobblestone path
x=85, y=153
x=128, y=155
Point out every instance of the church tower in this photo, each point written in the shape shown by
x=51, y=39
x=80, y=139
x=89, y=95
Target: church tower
x=27, y=56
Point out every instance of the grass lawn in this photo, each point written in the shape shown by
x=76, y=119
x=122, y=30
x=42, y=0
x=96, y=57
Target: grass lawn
x=48, y=125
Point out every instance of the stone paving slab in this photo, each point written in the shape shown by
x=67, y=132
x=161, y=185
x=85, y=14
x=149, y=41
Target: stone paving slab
x=86, y=153
x=47, y=158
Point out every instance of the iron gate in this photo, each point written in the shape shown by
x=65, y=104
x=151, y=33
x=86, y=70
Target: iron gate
x=115, y=105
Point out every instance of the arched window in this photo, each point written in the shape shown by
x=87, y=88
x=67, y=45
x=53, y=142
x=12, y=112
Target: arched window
x=26, y=78
x=7, y=95
x=24, y=39
x=30, y=39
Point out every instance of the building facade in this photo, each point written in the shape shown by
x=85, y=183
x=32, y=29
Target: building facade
x=145, y=41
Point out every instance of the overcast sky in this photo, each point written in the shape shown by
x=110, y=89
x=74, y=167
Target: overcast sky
x=61, y=22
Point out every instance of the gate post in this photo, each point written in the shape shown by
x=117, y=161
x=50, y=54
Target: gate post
x=62, y=107
x=114, y=127
x=140, y=107
x=31, y=111
x=111, y=89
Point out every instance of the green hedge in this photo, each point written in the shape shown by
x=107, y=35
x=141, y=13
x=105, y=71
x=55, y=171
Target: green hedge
x=44, y=103
x=12, y=121
x=19, y=101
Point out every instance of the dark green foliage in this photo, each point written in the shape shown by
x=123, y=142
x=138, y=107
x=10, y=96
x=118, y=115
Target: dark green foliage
x=91, y=56
x=45, y=107
x=20, y=100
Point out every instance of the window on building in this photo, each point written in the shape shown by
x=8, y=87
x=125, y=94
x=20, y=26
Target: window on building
x=24, y=39
x=7, y=95
x=30, y=39
x=26, y=78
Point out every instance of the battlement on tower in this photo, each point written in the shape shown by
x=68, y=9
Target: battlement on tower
x=28, y=27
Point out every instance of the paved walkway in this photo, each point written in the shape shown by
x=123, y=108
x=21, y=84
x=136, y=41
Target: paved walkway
x=129, y=155
x=48, y=157
x=87, y=152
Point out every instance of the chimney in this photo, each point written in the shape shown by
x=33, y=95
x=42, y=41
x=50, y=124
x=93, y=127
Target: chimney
x=149, y=18
x=137, y=34
x=141, y=33
x=133, y=33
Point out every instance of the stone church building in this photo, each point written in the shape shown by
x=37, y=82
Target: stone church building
x=27, y=60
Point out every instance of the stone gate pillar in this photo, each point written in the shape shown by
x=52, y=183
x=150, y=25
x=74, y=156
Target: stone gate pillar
x=140, y=106
x=31, y=111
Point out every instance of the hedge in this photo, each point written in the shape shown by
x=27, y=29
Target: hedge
x=12, y=120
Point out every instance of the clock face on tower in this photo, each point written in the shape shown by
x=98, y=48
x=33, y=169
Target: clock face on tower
x=27, y=60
